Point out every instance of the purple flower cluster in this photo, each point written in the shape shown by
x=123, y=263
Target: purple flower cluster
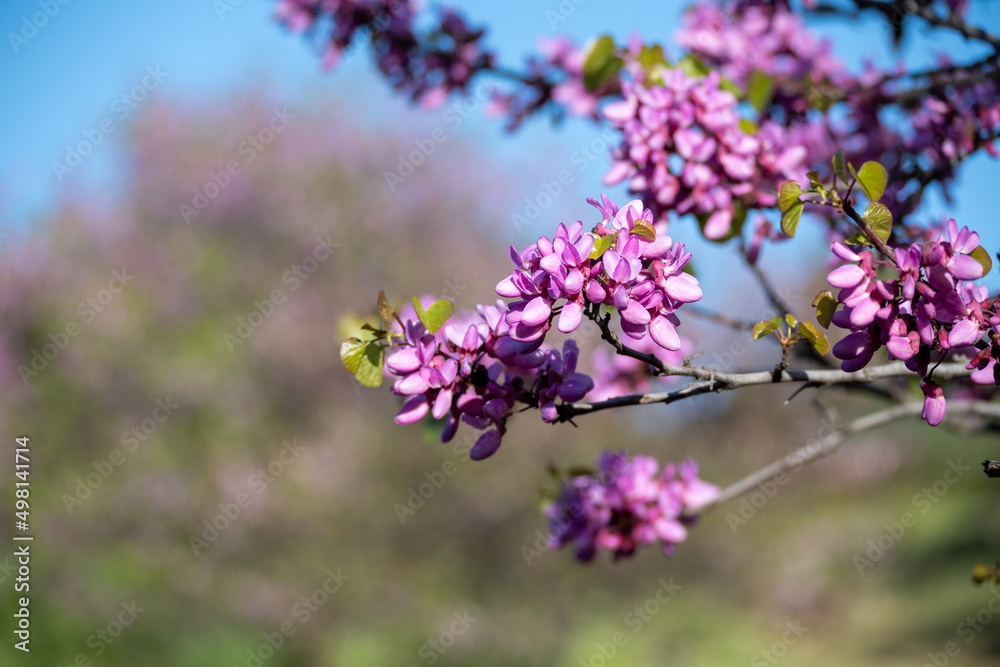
x=470, y=373
x=641, y=274
x=684, y=150
x=627, y=503
x=928, y=307
x=743, y=38
x=427, y=64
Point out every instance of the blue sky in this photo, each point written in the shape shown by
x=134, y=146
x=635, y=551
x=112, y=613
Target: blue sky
x=64, y=80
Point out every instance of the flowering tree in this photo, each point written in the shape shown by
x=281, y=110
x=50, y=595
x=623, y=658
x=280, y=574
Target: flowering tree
x=754, y=119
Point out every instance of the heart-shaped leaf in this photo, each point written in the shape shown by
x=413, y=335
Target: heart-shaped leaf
x=788, y=195
x=602, y=243
x=815, y=337
x=825, y=306
x=873, y=178
x=436, y=315
x=763, y=328
x=601, y=64
x=790, y=219
x=983, y=257
x=644, y=229
x=364, y=360
x=879, y=220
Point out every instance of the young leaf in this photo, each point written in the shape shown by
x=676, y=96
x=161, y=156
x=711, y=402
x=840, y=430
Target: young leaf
x=437, y=314
x=748, y=126
x=384, y=309
x=814, y=336
x=363, y=360
x=421, y=315
x=825, y=306
x=601, y=64
x=790, y=319
x=879, y=219
x=693, y=66
x=760, y=89
x=872, y=177
x=983, y=257
x=602, y=243
x=857, y=238
x=644, y=229
x=838, y=165
x=817, y=184
x=790, y=219
x=788, y=195
x=763, y=328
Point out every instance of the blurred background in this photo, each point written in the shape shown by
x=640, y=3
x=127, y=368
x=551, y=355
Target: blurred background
x=210, y=488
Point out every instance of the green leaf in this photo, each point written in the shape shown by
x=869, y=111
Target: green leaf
x=760, y=90
x=764, y=327
x=652, y=55
x=729, y=86
x=983, y=257
x=790, y=319
x=644, y=229
x=384, y=309
x=825, y=306
x=879, y=219
x=693, y=66
x=438, y=314
x=839, y=166
x=788, y=195
x=602, y=243
x=601, y=64
x=814, y=336
x=363, y=360
x=857, y=238
x=873, y=178
x=817, y=184
x=790, y=219
x=748, y=126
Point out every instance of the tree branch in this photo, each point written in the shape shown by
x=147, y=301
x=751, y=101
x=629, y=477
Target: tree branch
x=821, y=447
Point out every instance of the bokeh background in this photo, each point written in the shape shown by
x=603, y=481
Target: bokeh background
x=271, y=425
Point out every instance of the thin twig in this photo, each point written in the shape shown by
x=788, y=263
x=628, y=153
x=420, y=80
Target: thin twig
x=821, y=447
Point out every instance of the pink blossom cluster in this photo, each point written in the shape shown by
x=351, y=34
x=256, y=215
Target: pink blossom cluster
x=742, y=38
x=427, y=64
x=929, y=306
x=640, y=274
x=684, y=150
x=626, y=503
x=471, y=373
